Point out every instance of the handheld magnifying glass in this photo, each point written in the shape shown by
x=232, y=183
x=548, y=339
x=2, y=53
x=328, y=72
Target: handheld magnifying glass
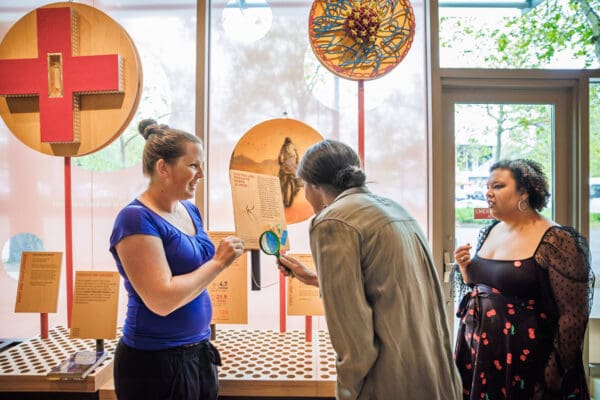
x=270, y=244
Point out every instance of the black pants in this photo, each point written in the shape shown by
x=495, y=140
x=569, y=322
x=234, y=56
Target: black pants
x=180, y=373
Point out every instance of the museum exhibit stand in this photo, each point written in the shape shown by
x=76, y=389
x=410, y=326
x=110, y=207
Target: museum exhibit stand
x=78, y=75
x=255, y=364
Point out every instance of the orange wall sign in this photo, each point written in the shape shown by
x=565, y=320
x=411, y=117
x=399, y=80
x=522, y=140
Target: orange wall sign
x=482, y=213
x=70, y=79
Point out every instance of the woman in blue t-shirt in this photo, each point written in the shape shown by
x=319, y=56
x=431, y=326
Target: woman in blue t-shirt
x=167, y=262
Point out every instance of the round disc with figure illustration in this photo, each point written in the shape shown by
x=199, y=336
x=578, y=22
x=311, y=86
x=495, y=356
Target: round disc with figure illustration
x=361, y=40
x=275, y=147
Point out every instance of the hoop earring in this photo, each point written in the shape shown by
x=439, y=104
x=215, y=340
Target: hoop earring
x=519, y=206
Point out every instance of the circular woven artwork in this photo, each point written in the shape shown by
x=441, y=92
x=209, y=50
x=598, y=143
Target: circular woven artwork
x=361, y=40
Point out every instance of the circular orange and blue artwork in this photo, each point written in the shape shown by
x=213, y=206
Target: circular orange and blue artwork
x=361, y=40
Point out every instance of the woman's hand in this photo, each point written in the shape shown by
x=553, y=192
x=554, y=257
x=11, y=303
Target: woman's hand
x=462, y=255
x=289, y=266
x=229, y=249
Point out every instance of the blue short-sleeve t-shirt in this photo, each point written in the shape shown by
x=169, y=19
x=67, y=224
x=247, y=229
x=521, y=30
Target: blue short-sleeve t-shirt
x=143, y=329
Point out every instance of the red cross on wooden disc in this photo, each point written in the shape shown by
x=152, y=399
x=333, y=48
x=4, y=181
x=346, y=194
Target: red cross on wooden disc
x=70, y=79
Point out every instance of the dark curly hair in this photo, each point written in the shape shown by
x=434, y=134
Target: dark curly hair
x=530, y=178
x=162, y=142
x=331, y=164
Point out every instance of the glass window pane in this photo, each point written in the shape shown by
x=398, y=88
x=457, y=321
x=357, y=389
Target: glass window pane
x=553, y=34
x=13, y=249
x=484, y=134
x=275, y=75
x=595, y=191
x=32, y=184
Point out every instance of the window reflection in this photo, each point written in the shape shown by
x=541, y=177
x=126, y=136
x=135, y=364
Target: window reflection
x=13, y=248
x=339, y=93
x=156, y=103
x=246, y=21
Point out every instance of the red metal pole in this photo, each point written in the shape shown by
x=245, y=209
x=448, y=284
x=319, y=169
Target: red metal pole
x=68, y=239
x=308, y=328
x=44, y=325
x=281, y=302
x=361, y=121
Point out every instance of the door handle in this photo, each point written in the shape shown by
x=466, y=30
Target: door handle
x=448, y=266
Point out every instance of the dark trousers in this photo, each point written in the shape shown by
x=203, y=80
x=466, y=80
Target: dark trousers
x=180, y=373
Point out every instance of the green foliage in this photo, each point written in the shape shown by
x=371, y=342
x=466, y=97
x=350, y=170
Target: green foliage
x=469, y=156
x=124, y=152
x=547, y=29
x=19, y=243
x=554, y=33
x=516, y=131
x=549, y=33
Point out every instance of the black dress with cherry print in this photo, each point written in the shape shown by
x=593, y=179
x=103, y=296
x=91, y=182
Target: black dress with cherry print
x=522, y=323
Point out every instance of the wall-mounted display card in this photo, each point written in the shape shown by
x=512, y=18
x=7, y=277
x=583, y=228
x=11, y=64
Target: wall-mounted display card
x=95, y=304
x=229, y=291
x=39, y=279
x=303, y=299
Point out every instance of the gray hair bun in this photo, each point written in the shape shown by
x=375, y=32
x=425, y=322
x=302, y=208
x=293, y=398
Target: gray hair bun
x=349, y=177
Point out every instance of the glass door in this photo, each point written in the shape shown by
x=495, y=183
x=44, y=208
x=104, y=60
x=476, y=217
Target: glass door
x=483, y=134
x=485, y=124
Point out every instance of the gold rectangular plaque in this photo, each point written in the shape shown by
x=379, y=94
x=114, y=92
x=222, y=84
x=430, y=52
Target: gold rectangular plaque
x=39, y=278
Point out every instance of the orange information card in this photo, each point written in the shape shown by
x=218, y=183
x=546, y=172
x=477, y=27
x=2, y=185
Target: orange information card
x=95, y=305
x=257, y=207
x=229, y=291
x=39, y=277
x=303, y=299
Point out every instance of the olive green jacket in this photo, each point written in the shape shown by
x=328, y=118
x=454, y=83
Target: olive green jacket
x=383, y=301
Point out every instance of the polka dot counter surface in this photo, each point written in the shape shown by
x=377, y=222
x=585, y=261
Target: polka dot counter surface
x=254, y=362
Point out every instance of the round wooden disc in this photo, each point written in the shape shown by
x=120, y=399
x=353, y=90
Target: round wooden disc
x=361, y=40
x=258, y=151
x=102, y=117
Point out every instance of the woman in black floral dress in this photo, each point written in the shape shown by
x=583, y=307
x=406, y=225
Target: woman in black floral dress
x=529, y=284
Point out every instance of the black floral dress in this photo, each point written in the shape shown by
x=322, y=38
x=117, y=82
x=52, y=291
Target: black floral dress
x=522, y=322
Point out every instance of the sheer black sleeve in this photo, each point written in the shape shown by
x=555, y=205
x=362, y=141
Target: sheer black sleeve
x=564, y=253
x=459, y=287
